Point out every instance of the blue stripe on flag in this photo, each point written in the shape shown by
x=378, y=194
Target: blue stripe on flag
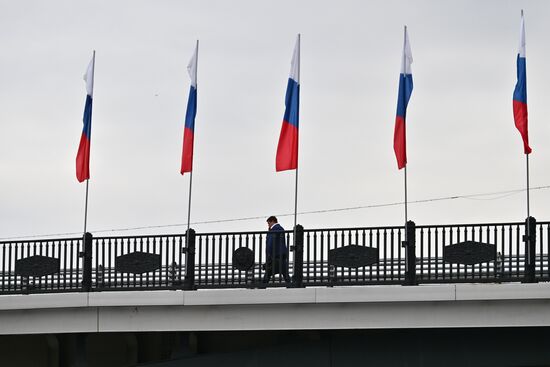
x=191, y=109
x=292, y=102
x=405, y=91
x=520, y=92
x=87, y=119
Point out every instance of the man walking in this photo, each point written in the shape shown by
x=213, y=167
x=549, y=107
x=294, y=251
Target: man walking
x=276, y=251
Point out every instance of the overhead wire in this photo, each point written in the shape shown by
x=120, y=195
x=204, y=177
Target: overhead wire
x=479, y=196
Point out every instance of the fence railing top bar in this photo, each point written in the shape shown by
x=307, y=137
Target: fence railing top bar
x=352, y=229
x=424, y=226
x=140, y=236
x=40, y=240
x=427, y=226
x=239, y=233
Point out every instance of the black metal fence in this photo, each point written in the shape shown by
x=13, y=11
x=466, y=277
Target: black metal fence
x=354, y=256
x=151, y=262
x=409, y=255
x=41, y=266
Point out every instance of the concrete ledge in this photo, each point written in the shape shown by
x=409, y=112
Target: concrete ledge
x=393, y=293
x=467, y=292
x=249, y=296
x=387, y=315
x=46, y=321
x=382, y=307
x=220, y=297
x=50, y=300
x=137, y=298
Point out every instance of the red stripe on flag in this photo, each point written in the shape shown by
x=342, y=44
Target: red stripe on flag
x=520, y=118
x=399, y=142
x=187, y=153
x=83, y=159
x=287, y=149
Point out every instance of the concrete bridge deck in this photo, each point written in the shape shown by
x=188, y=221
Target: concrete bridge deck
x=371, y=307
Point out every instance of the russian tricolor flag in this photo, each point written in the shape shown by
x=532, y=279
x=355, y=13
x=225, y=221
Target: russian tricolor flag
x=520, y=92
x=189, y=130
x=405, y=91
x=83, y=155
x=287, y=149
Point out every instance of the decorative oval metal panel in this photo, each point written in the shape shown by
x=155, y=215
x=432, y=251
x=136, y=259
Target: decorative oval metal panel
x=353, y=256
x=469, y=253
x=243, y=259
x=36, y=266
x=137, y=262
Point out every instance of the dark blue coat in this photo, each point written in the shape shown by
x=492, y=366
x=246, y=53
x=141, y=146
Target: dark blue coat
x=276, y=244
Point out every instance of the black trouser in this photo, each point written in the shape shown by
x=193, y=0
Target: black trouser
x=277, y=266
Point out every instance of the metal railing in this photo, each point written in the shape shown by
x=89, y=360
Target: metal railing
x=409, y=255
x=218, y=265
x=509, y=257
x=161, y=259
x=388, y=269
x=41, y=266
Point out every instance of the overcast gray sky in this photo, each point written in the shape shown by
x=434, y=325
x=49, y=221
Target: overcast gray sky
x=461, y=134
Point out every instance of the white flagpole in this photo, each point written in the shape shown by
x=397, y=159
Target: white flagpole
x=88, y=180
x=86, y=207
x=527, y=162
x=406, y=214
x=296, y=198
x=528, y=224
x=189, y=200
x=526, y=155
x=297, y=150
x=191, y=173
x=405, y=122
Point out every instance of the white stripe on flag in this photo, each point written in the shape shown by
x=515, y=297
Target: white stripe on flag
x=89, y=78
x=521, y=50
x=192, y=66
x=295, y=63
x=407, y=55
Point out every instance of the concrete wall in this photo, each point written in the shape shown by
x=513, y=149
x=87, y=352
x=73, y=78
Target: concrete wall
x=373, y=307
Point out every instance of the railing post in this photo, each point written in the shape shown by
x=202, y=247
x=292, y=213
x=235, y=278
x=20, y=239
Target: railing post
x=86, y=254
x=298, y=268
x=530, y=240
x=189, y=281
x=410, y=253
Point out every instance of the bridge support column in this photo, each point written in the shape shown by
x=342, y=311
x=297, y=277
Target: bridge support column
x=298, y=268
x=530, y=240
x=189, y=281
x=410, y=254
